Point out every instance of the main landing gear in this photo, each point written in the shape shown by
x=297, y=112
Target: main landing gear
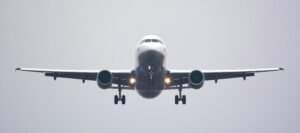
x=180, y=97
x=119, y=97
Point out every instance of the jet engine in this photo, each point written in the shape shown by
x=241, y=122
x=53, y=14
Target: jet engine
x=104, y=79
x=196, y=79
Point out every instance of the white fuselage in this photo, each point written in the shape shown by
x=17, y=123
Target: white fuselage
x=150, y=66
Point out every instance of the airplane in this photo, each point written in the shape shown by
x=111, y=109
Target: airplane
x=150, y=75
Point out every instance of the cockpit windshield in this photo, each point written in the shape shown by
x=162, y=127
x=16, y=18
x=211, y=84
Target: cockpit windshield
x=155, y=40
x=148, y=40
x=151, y=40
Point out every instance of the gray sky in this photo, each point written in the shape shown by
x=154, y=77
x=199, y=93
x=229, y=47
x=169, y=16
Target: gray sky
x=96, y=34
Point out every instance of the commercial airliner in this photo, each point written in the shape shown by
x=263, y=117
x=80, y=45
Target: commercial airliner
x=150, y=75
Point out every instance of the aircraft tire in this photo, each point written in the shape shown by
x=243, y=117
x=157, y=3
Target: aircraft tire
x=183, y=99
x=176, y=99
x=123, y=99
x=116, y=99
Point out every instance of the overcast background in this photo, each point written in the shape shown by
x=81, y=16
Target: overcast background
x=97, y=34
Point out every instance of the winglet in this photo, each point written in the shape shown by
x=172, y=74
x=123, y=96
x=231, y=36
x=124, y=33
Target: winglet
x=17, y=69
x=281, y=68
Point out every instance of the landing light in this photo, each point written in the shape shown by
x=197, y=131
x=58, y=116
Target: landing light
x=167, y=80
x=132, y=80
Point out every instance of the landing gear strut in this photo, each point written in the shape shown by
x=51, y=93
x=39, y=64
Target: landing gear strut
x=180, y=97
x=119, y=97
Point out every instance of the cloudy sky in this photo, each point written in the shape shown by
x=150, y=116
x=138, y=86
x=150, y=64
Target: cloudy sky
x=98, y=34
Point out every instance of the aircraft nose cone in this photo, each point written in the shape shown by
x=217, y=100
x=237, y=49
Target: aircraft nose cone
x=149, y=93
x=156, y=47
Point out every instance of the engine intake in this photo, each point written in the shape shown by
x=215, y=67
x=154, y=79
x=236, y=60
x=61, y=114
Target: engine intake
x=196, y=79
x=104, y=79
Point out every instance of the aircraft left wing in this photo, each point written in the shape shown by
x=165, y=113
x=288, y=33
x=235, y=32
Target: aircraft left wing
x=119, y=76
x=180, y=77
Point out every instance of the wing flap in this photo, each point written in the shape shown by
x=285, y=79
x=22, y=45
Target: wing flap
x=217, y=76
x=83, y=76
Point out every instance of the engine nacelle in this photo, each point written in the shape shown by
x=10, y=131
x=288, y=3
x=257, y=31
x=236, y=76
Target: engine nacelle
x=104, y=79
x=196, y=79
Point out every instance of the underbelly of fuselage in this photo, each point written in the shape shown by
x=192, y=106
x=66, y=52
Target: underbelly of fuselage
x=150, y=74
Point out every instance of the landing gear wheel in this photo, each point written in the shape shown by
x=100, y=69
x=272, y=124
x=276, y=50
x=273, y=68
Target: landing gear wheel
x=183, y=99
x=116, y=99
x=119, y=97
x=123, y=99
x=176, y=99
x=180, y=97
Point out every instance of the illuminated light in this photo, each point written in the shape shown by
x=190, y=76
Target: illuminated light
x=167, y=80
x=132, y=80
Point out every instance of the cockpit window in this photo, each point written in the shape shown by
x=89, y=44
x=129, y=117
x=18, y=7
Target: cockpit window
x=148, y=40
x=152, y=40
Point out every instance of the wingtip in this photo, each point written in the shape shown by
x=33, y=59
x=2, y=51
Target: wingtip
x=17, y=69
x=281, y=68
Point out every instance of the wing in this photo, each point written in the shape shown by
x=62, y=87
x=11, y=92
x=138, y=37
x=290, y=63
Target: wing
x=181, y=76
x=119, y=76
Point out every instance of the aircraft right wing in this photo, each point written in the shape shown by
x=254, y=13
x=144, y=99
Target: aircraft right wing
x=119, y=76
